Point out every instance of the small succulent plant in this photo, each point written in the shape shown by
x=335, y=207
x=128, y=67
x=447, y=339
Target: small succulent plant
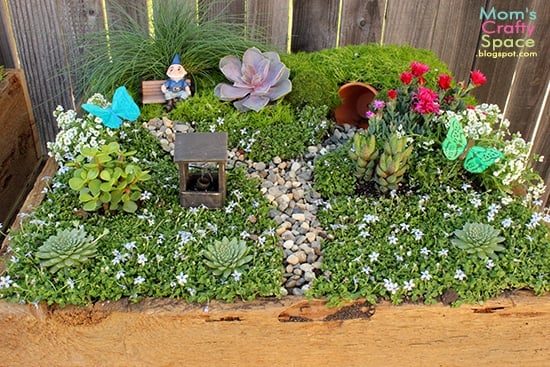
x=66, y=249
x=257, y=80
x=393, y=163
x=106, y=179
x=479, y=239
x=363, y=153
x=226, y=256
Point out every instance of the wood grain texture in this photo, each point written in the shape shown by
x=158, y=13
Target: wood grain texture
x=456, y=31
x=532, y=75
x=314, y=24
x=269, y=19
x=361, y=22
x=38, y=33
x=20, y=151
x=7, y=42
x=501, y=69
x=225, y=11
x=410, y=22
x=172, y=333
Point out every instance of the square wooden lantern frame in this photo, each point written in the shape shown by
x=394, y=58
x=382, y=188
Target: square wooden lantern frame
x=202, y=148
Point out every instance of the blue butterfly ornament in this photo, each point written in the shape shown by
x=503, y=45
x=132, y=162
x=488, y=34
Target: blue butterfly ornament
x=122, y=108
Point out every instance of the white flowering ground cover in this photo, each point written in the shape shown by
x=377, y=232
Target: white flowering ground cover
x=403, y=246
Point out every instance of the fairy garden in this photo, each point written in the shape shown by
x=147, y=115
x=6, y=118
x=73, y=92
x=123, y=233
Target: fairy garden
x=429, y=197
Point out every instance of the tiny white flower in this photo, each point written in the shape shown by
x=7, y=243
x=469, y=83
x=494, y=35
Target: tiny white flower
x=182, y=278
x=391, y=286
x=70, y=283
x=408, y=285
x=490, y=264
x=120, y=274
x=460, y=275
x=425, y=275
x=237, y=275
x=145, y=195
x=373, y=256
x=424, y=251
x=506, y=223
x=443, y=252
x=139, y=280
x=5, y=282
x=142, y=259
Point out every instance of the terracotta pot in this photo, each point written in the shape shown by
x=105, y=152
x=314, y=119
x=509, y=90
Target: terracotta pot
x=356, y=98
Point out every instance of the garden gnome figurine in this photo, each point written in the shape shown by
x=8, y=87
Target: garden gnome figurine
x=176, y=88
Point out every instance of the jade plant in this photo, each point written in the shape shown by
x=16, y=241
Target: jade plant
x=105, y=179
x=260, y=78
x=226, y=256
x=67, y=248
x=479, y=239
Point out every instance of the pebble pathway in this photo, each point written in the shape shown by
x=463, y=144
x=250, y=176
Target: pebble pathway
x=288, y=185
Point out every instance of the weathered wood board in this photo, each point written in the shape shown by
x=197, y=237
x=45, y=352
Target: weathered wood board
x=511, y=330
x=508, y=331
x=20, y=154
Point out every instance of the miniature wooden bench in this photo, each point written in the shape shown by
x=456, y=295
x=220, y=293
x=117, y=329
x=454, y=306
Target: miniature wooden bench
x=151, y=93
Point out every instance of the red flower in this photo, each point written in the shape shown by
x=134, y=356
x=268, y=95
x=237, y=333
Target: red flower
x=392, y=94
x=444, y=81
x=406, y=77
x=478, y=78
x=425, y=101
x=418, y=69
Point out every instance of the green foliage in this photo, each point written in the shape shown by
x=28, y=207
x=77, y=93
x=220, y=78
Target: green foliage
x=479, y=239
x=316, y=76
x=334, y=173
x=363, y=153
x=133, y=54
x=68, y=248
x=2, y=73
x=393, y=163
x=226, y=256
x=277, y=130
x=399, y=248
x=154, y=253
x=105, y=179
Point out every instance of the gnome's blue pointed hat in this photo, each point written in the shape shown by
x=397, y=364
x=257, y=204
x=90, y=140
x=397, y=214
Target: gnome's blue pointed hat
x=176, y=60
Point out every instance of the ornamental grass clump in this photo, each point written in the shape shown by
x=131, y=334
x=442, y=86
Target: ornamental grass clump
x=260, y=78
x=226, y=256
x=128, y=51
x=66, y=249
x=479, y=239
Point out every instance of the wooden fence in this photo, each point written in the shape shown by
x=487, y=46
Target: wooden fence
x=42, y=35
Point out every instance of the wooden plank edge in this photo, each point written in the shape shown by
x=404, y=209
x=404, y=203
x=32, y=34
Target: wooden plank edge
x=32, y=200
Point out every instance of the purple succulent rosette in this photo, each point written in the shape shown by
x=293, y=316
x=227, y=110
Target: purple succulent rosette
x=259, y=79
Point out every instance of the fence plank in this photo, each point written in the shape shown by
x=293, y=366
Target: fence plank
x=531, y=74
x=541, y=145
x=361, y=21
x=410, y=22
x=499, y=71
x=314, y=24
x=225, y=11
x=271, y=19
x=137, y=10
x=40, y=43
x=7, y=47
x=455, y=35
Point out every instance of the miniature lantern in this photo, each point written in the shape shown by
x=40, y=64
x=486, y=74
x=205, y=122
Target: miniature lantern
x=201, y=158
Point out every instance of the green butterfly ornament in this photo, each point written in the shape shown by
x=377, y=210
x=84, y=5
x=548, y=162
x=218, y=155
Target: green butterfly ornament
x=478, y=159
